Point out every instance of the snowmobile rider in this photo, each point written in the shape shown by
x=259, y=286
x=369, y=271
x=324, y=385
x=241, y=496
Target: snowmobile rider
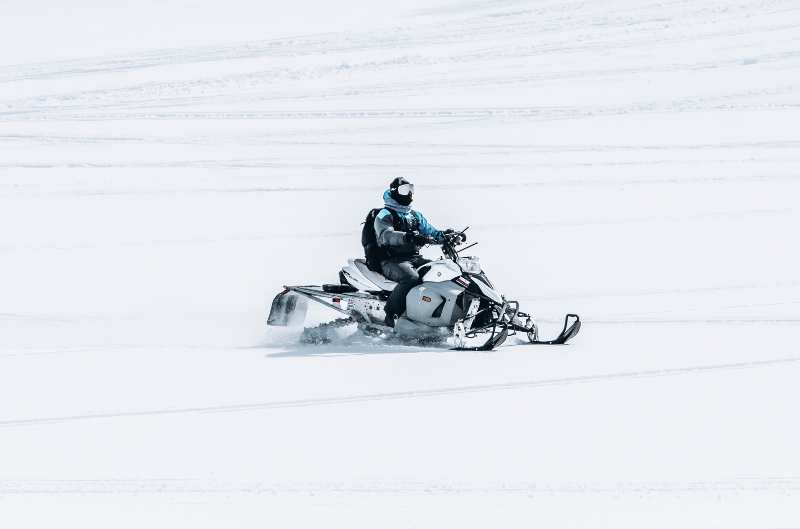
x=400, y=233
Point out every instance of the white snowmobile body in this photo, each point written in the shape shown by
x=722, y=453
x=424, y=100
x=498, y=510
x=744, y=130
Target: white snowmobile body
x=455, y=299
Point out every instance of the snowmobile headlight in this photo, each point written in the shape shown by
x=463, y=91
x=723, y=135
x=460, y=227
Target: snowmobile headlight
x=470, y=265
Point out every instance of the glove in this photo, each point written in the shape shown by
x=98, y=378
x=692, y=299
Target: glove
x=456, y=237
x=417, y=239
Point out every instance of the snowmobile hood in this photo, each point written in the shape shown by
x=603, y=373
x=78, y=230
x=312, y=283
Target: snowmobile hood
x=391, y=203
x=487, y=291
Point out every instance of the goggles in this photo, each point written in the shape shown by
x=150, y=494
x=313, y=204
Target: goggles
x=405, y=189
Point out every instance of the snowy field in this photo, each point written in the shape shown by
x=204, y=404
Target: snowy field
x=165, y=166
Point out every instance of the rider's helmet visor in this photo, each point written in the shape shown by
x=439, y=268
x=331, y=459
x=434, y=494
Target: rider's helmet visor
x=405, y=189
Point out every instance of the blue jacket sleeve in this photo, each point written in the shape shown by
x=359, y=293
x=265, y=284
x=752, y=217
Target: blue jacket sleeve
x=385, y=233
x=425, y=228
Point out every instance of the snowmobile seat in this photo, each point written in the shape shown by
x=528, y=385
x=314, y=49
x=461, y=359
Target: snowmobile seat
x=374, y=277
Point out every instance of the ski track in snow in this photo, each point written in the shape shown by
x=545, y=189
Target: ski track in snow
x=474, y=30
x=781, y=484
x=511, y=23
x=412, y=394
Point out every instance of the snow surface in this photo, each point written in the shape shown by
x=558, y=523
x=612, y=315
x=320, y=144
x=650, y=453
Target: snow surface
x=165, y=166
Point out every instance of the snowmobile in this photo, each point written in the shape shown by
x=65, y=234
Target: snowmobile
x=456, y=300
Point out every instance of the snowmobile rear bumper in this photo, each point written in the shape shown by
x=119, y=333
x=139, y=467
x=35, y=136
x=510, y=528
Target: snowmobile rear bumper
x=288, y=309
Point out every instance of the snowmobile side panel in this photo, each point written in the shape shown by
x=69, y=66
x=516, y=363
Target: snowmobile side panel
x=434, y=304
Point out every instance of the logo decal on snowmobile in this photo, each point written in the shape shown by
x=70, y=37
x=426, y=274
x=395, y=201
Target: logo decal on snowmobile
x=426, y=299
x=461, y=281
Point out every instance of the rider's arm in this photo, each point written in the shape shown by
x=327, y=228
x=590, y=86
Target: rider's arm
x=426, y=229
x=385, y=233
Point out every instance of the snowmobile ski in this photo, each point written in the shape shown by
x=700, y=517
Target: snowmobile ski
x=572, y=324
x=496, y=340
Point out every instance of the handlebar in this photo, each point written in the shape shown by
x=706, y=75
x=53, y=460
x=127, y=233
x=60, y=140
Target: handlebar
x=451, y=241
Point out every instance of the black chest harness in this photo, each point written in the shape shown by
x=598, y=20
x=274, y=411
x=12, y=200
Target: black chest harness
x=374, y=253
